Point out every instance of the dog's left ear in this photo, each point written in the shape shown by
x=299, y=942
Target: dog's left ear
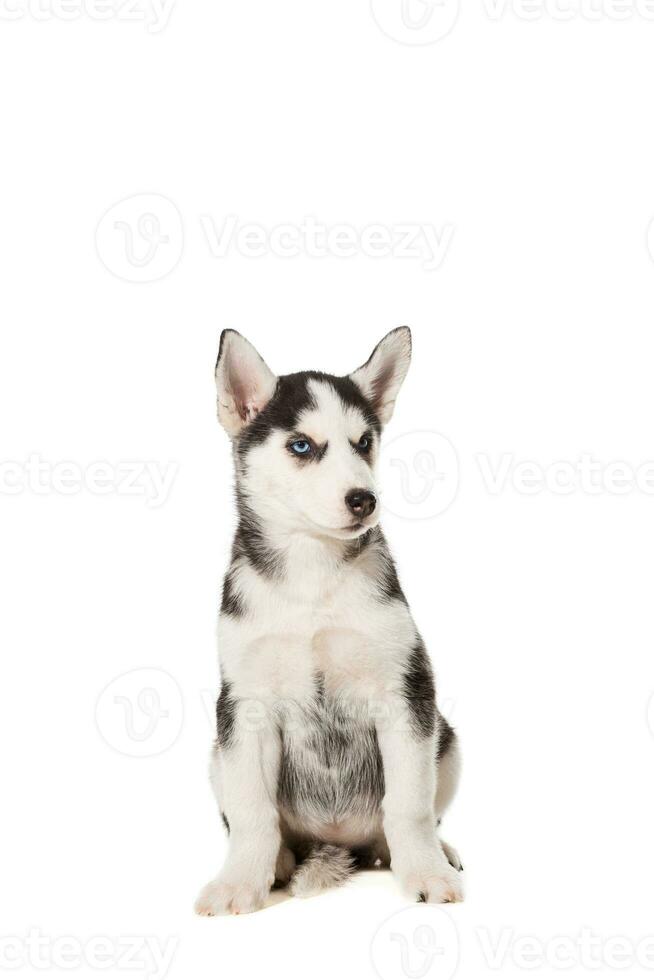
x=381, y=377
x=244, y=381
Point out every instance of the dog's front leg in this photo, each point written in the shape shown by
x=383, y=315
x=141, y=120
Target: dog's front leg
x=410, y=776
x=244, y=772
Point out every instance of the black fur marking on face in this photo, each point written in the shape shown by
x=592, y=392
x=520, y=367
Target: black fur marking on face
x=250, y=541
x=292, y=397
x=352, y=396
x=232, y=603
x=225, y=821
x=225, y=716
x=419, y=692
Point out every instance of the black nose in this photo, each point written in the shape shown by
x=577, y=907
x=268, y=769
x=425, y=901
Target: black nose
x=361, y=503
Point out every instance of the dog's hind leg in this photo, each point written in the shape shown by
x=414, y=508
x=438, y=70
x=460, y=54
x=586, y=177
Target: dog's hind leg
x=285, y=866
x=449, y=768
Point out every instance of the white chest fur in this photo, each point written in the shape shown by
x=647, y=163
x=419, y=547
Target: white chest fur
x=320, y=620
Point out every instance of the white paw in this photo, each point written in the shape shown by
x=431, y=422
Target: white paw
x=435, y=885
x=222, y=897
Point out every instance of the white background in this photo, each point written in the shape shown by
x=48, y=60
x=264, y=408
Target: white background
x=525, y=136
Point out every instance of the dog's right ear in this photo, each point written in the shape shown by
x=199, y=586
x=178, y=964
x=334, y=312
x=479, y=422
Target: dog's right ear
x=244, y=381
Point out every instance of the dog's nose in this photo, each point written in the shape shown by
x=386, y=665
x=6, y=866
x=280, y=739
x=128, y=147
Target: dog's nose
x=361, y=503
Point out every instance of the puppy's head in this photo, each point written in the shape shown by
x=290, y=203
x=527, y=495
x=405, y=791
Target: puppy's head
x=306, y=444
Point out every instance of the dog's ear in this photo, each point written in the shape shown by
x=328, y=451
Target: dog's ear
x=381, y=377
x=245, y=382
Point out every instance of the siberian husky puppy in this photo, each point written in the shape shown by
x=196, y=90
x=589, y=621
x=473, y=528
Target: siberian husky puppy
x=330, y=753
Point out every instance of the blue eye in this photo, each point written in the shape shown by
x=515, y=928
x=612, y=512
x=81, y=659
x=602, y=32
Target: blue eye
x=364, y=443
x=301, y=447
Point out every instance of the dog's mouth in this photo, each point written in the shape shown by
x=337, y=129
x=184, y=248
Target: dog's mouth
x=355, y=529
x=346, y=532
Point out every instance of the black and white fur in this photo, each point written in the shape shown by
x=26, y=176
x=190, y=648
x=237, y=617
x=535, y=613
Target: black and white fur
x=331, y=753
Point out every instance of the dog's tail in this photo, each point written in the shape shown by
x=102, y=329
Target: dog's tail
x=325, y=866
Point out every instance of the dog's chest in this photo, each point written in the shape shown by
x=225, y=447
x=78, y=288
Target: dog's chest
x=350, y=642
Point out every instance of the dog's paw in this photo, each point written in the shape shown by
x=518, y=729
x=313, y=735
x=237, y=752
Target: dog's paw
x=436, y=886
x=222, y=897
